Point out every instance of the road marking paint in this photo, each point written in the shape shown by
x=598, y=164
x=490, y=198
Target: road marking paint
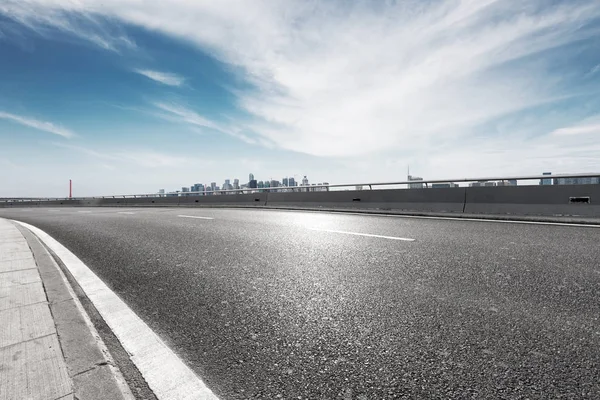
x=364, y=234
x=126, y=212
x=166, y=374
x=504, y=221
x=84, y=211
x=194, y=216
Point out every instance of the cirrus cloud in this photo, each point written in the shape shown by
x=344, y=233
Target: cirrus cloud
x=39, y=125
x=334, y=79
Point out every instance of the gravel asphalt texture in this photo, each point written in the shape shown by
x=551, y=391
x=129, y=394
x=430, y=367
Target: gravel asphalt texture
x=262, y=306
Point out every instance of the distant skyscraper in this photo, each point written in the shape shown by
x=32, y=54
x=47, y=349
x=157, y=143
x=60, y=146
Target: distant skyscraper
x=252, y=184
x=291, y=182
x=305, y=181
x=236, y=183
x=577, y=181
x=250, y=177
x=213, y=186
x=285, y=182
x=548, y=181
x=260, y=184
x=415, y=185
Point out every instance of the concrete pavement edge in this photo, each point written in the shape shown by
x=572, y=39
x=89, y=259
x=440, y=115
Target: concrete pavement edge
x=89, y=363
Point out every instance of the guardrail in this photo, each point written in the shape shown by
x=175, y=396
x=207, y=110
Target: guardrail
x=310, y=187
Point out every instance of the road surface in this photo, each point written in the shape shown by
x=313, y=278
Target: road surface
x=306, y=305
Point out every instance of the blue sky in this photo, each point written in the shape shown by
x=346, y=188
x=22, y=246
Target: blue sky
x=132, y=96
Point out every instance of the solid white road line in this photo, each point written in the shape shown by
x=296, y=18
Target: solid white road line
x=84, y=211
x=194, y=216
x=364, y=234
x=126, y=212
x=502, y=221
x=167, y=376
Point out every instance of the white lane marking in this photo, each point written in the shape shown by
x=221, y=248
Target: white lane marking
x=84, y=211
x=126, y=212
x=504, y=221
x=194, y=216
x=168, y=377
x=364, y=234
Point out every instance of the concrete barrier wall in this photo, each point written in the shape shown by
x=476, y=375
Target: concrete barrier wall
x=534, y=200
x=516, y=200
x=433, y=200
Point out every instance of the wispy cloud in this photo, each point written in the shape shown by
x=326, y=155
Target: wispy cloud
x=165, y=78
x=177, y=112
x=71, y=18
x=40, y=125
x=339, y=79
x=581, y=129
x=142, y=158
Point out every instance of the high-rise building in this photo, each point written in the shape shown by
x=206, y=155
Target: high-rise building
x=415, y=185
x=250, y=177
x=252, y=184
x=161, y=191
x=577, y=181
x=260, y=184
x=213, y=186
x=285, y=182
x=227, y=185
x=236, y=183
x=291, y=182
x=185, y=189
x=304, y=181
x=548, y=181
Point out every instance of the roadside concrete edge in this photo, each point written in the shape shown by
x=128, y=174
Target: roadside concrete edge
x=89, y=363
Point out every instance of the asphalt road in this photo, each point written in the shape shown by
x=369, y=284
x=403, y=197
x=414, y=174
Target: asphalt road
x=281, y=304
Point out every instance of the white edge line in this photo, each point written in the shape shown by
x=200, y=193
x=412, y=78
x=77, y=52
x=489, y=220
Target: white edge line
x=364, y=234
x=194, y=216
x=166, y=374
x=504, y=221
x=125, y=212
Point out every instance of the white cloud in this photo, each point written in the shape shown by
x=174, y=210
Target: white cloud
x=40, y=125
x=179, y=113
x=581, y=129
x=142, y=158
x=341, y=79
x=165, y=78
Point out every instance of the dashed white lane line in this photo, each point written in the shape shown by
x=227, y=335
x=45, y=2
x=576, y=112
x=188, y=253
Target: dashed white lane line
x=168, y=377
x=364, y=234
x=126, y=212
x=194, y=216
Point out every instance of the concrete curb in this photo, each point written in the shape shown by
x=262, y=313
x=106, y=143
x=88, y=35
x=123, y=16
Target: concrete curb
x=89, y=364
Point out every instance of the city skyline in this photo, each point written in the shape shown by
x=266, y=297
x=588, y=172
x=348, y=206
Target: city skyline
x=127, y=96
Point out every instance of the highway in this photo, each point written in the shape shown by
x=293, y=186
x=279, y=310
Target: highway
x=312, y=305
